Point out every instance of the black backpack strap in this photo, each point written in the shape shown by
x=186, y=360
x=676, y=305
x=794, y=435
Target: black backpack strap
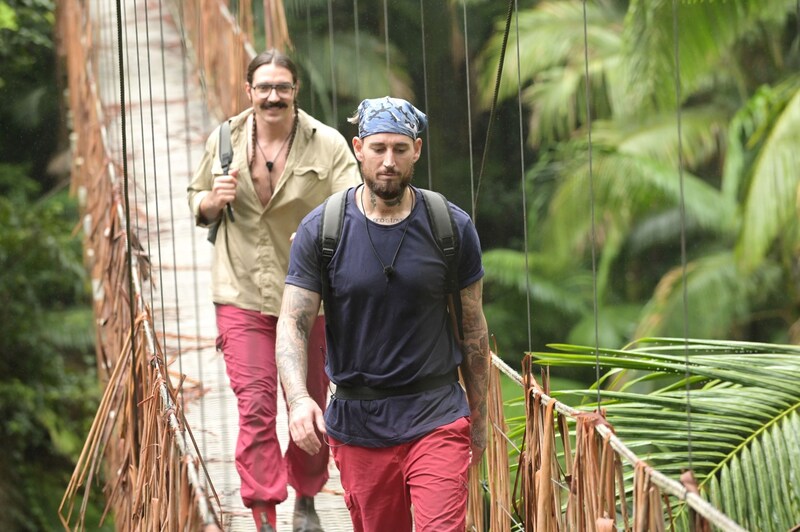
x=225, y=150
x=444, y=230
x=225, y=147
x=330, y=229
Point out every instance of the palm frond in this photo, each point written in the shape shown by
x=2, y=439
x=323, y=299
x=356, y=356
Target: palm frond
x=708, y=30
x=774, y=182
x=719, y=296
x=550, y=36
x=703, y=129
x=371, y=80
x=737, y=427
x=564, y=293
x=628, y=190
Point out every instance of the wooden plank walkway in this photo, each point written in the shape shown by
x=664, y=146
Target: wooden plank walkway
x=167, y=123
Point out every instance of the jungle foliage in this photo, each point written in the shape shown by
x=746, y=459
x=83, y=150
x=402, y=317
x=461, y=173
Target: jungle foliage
x=48, y=385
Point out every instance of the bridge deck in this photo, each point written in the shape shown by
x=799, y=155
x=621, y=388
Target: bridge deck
x=167, y=122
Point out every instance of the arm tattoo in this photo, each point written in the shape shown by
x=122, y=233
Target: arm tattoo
x=477, y=358
x=298, y=313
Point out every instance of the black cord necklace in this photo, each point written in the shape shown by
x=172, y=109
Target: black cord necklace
x=388, y=270
x=271, y=163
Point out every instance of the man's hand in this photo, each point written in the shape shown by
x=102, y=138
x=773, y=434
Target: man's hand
x=223, y=192
x=305, y=420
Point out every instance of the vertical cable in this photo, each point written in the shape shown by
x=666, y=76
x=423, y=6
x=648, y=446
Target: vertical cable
x=588, y=97
x=685, y=295
x=523, y=184
x=425, y=92
x=310, y=47
x=146, y=237
x=495, y=94
x=155, y=194
x=358, y=51
x=334, y=95
x=192, y=241
x=131, y=299
x=171, y=204
x=469, y=112
x=386, y=44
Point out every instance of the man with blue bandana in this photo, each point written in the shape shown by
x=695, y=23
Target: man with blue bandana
x=402, y=429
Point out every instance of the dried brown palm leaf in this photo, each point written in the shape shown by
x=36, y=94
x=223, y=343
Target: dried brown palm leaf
x=497, y=458
x=475, y=500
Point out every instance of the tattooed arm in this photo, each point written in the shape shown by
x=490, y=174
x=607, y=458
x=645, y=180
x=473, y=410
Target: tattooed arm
x=298, y=313
x=475, y=367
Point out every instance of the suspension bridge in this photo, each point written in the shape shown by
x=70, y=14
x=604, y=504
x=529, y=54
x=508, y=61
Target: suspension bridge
x=147, y=82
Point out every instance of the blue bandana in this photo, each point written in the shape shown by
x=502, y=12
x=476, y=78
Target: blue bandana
x=390, y=115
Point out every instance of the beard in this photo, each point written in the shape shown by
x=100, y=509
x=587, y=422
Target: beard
x=388, y=190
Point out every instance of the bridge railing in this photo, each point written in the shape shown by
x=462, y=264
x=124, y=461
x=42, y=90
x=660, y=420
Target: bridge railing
x=138, y=441
x=220, y=49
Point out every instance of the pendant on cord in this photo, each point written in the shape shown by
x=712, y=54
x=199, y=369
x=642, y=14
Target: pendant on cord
x=388, y=269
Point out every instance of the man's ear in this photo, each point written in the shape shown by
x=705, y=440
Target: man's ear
x=417, y=149
x=358, y=146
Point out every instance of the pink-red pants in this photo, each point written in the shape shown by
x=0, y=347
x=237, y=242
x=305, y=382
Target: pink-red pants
x=247, y=341
x=381, y=484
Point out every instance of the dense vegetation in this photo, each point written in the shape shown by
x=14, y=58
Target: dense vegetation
x=48, y=386
x=655, y=234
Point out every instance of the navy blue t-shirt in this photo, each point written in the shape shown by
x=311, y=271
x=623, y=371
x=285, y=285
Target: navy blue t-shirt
x=388, y=333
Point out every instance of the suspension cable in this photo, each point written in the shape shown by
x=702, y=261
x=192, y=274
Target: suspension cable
x=588, y=102
x=469, y=113
x=171, y=204
x=425, y=92
x=334, y=96
x=494, y=103
x=129, y=258
x=685, y=293
x=358, y=50
x=386, y=44
x=150, y=105
x=523, y=186
x=192, y=243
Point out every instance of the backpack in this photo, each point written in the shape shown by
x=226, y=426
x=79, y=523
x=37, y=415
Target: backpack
x=442, y=225
x=225, y=158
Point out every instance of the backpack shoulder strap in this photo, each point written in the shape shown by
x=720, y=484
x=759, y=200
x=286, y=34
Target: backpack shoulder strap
x=444, y=231
x=441, y=222
x=224, y=145
x=330, y=229
x=225, y=150
x=331, y=224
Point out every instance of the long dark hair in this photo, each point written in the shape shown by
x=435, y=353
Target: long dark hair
x=271, y=56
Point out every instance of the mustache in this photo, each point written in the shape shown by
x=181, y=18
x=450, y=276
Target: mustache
x=273, y=105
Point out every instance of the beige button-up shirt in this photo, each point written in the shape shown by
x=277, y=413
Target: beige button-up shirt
x=251, y=255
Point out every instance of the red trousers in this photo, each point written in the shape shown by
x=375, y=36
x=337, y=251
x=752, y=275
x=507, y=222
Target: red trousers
x=381, y=484
x=247, y=341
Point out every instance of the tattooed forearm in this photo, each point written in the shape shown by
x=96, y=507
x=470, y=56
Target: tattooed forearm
x=298, y=313
x=475, y=368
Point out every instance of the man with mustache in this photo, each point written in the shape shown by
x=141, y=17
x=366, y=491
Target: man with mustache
x=402, y=430
x=285, y=163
